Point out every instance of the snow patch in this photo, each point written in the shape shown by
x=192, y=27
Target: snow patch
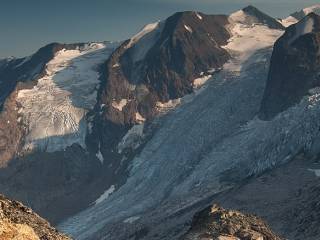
x=105, y=195
x=167, y=106
x=189, y=29
x=139, y=118
x=99, y=155
x=144, y=40
x=120, y=105
x=198, y=82
x=131, y=219
x=116, y=65
x=315, y=171
x=289, y=21
x=199, y=16
x=132, y=139
x=238, y=17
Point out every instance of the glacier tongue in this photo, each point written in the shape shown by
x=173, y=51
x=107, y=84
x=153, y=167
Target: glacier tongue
x=203, y=147
x=54, y=109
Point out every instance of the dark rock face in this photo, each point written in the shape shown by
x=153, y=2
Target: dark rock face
x=262, y=18
x=218, y=223
x=295, y=66
x=20, y=222
x=157, y=67
x=175, y=58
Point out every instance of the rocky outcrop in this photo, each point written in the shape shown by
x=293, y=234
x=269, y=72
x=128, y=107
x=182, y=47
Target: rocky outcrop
x=295, y=66
x=20, y=222
x=217, y=223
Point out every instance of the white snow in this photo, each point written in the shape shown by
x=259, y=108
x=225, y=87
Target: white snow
x=189, y=29
x=238, y=17
x=198, y=82
x=139, y=118
x=247, y=39
x=54, y=109
x=315, y=171
x=116, y=65
x=131, y=219
x=199, y=16
x=99, y=155
x=105, y=195
x=305, y=26
x=147, y=29
x=132, y=139
x=167, y=106
x=289, y=21
x=119, y=105
x=144, y=40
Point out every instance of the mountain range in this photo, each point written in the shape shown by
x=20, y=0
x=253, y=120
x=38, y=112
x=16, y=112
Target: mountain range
x=137, y=139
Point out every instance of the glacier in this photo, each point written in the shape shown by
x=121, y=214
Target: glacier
x=204, y=146
x=55, y=108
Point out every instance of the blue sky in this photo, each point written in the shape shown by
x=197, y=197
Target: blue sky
x=26, y=25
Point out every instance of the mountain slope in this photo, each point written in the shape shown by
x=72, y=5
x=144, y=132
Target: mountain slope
x=194, y=151
x=143, y=135
x=43, y=126
x=154, y=67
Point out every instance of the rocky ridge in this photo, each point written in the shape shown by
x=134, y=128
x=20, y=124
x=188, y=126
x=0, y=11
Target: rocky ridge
x=18, y=222
x=216, y=223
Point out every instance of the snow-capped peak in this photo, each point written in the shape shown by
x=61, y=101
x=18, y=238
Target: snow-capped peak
x=299, y=15
x=253, y=16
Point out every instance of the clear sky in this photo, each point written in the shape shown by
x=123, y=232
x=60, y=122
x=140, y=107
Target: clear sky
x=26, y=25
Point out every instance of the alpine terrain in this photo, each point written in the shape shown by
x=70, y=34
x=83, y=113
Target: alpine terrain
x=141, y=138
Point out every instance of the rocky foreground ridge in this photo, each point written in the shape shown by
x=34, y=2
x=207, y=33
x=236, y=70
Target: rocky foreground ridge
x=216, y=223
x=21, y=223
